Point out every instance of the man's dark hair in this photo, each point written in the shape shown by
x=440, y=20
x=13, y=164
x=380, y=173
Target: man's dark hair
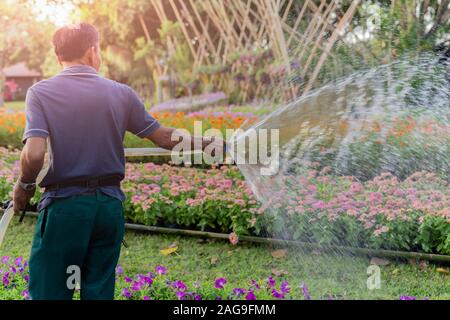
x=72, y=42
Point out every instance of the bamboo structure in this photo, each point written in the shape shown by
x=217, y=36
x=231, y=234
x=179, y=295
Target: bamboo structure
x=217, y=29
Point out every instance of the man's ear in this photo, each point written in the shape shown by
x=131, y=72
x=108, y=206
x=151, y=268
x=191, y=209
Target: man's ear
x=91, y=55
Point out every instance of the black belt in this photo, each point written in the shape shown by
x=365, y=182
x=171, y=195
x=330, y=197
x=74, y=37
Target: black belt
x=107, y=181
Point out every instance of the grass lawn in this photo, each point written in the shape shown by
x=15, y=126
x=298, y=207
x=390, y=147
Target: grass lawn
x=203, y=261
x=15, y=105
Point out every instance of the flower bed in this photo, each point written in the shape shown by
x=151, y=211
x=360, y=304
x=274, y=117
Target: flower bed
x=12, y=124
x=402, y=146
x=215, y=200
x=384, y=212
x=158, y=284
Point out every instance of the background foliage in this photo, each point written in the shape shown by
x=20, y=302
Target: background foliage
x=145, y=52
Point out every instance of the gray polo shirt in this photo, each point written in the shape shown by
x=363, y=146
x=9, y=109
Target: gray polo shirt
x=85, y=116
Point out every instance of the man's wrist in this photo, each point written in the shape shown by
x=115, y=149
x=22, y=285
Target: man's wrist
x=26, y=186
x=27, y=179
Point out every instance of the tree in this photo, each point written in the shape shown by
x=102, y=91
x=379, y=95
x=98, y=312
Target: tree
x=21, y=38
x=387, y=29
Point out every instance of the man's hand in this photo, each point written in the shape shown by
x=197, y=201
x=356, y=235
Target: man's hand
x=216, y=144
x=21, y=198
x=163, y=137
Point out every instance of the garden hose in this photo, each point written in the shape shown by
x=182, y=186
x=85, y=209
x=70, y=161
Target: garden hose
x=8, y=206
x=292, y=243
x=394, y=254
x=6, y=220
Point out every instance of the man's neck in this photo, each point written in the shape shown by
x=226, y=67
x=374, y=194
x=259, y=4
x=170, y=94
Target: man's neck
x=74, y=63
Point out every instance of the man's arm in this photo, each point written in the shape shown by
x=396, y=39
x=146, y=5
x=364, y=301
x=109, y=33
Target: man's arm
x=143, y=125
x=163, y=137
x=31, y=162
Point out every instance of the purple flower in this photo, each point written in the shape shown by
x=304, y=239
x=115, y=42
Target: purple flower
x=285, y=287
x=13, y=270
x=137, y=286
x=147, y=298
x=26, y=278
x=255, y=285
x=277, y=295
x=148, y=281
x=18, y=261
x=179, y=285
x=407, y=298
x=128, y=279
x=5, y=259
x=238, y=291
x=5, y=279
x=305, y=292
x=26, y=294
x=119, y=270
x=219, y=283
x=250, y=295
x=126, y=293
x=197, y=297
x=161, y=270
x=180, y=295
x=271, y=282
x=145, y=280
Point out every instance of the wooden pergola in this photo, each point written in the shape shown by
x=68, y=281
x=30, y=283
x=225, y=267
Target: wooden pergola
x=215, y=29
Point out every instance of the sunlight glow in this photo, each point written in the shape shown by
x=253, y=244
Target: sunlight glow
x=60, y=14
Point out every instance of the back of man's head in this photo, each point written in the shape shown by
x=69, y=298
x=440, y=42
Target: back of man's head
x=72, y=42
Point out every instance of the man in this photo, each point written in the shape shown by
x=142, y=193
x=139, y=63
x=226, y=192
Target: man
x=84, y=116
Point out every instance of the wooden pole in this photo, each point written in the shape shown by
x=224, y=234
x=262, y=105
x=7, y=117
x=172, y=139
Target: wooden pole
x=342, y=23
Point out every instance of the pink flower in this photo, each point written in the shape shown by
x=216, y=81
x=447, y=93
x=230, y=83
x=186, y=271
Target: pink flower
x=234, y=239
x=319, y=205
x=325, y=170
x=375, y=197
x=136, y=199
x=356, y=187
x=381, y=230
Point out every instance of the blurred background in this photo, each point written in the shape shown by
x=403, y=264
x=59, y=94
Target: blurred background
x=220, y=52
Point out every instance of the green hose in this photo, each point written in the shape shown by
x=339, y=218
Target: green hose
x=306, y=245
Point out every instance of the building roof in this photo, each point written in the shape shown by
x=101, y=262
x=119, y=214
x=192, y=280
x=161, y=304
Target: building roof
x=20, y=70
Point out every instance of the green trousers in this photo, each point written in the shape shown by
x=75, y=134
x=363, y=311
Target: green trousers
x=77, y=239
